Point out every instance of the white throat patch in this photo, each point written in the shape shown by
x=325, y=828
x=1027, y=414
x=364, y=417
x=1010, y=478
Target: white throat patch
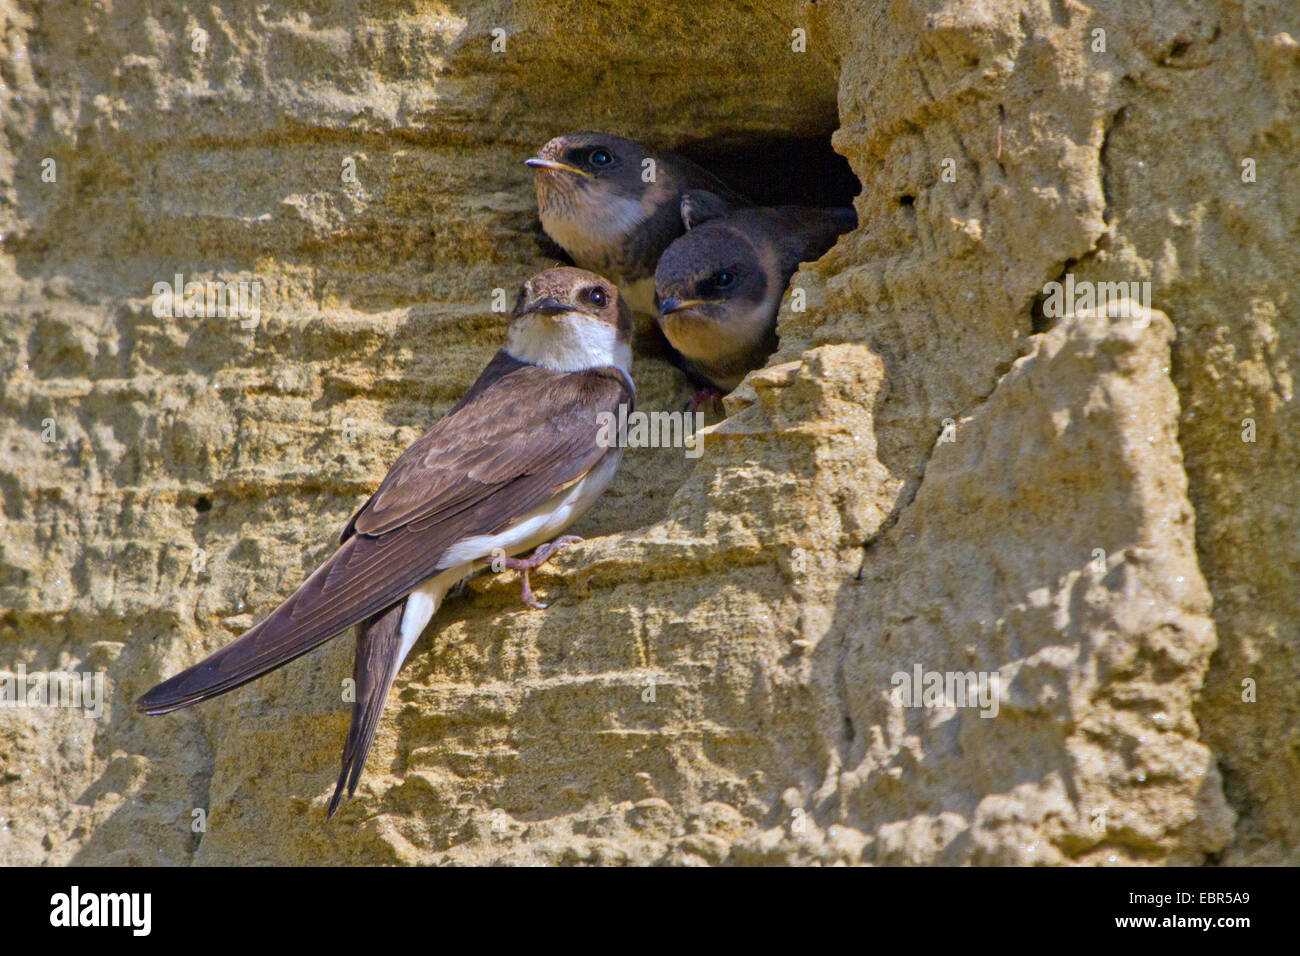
x=568, y=342
x=588, y=232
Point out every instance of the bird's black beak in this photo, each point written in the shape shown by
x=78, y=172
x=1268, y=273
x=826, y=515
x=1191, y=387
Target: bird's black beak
x=547, y=305
x=673, y=304
x=537, y=162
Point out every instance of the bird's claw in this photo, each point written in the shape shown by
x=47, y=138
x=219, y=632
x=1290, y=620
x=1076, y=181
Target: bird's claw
x=540, y=556
x=705, y=397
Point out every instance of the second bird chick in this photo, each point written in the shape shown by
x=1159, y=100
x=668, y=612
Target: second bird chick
x=718, y=287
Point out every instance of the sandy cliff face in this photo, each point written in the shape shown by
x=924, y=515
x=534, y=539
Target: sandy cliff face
x=938, y=472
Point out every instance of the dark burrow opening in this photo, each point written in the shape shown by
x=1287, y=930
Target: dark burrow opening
x=775, y=171
x=1039, y=321
x=770, y=171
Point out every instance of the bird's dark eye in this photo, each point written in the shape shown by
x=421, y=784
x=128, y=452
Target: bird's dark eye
x=597, y=297
x=600, y=157
x=724, y=280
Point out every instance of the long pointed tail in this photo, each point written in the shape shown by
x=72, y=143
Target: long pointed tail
x=383, y=641
x=379, y=656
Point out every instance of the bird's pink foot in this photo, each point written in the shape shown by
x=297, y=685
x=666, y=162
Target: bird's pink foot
x=536, y=560
x=704, y=398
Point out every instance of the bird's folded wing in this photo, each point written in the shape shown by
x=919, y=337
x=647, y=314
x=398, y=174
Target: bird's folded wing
x=803, y=234
x=520, y=435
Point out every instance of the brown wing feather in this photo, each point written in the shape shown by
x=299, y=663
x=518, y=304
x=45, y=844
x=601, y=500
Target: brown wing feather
x=378, y=641
x=536, y=434
x=802, y=233
x=489, y=438
x=501, y=365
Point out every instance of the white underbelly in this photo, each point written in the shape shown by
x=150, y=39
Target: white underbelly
x=537, y=527
x=544, y=522
x=592, y=235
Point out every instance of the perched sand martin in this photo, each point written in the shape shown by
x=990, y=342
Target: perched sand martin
x=614, y=206
x=719, y=286
x=513, y=464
